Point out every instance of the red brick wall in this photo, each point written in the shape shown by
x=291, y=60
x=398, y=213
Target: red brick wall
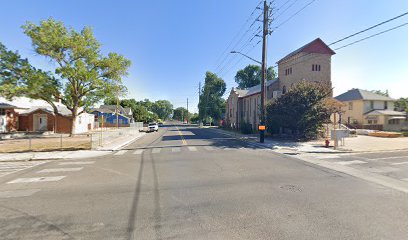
x=63, y=123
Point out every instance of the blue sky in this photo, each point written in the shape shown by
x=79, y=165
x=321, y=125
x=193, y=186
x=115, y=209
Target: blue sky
x=173, y=43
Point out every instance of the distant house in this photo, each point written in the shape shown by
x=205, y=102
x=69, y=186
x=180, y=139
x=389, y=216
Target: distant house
x=127, y=112
x=25, y=114
x=106, y=116
x=365, y=109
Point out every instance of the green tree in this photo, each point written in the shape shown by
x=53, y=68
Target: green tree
x=180, y=114
x=195, y=118
x=251, y=76
x=162, y=108
x=88, y=76
x=18, y=77
x=401, y=105
x=212, y=105
x=303, y=110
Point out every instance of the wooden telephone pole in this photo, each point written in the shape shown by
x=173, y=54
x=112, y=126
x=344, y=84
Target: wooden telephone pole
x=265, y=34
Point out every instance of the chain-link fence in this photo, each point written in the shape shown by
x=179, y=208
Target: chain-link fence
x=105, y=136
x=24, y=142
x=39, y=142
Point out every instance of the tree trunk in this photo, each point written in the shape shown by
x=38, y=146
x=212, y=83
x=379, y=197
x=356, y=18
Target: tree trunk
x=73, y=124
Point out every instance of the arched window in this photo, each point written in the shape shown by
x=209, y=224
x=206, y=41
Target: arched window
x=284, y=90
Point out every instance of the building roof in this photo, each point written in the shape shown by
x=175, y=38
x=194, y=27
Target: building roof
x=112, y=107
x=386, y=112
x=253, y=90
x=127, y=110
x=26, y=103
x=63, y=110
x=104, y=110
x=359, y=94
x=6, y=105
x=315, y=46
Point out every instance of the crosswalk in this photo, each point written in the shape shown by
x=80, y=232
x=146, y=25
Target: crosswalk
x=157, y=150
x=12, y=167
x=32, y=183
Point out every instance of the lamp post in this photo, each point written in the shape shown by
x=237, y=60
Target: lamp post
x=261, y=127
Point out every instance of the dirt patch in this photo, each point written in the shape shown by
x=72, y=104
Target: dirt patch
x=45, y=144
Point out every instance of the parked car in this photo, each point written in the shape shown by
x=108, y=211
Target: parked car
x=153, y=127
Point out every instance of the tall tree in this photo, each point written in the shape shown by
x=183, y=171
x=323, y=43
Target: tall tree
x=180, y=113
x=251, y=76
x=162, y=108
x=401, y=105
x=211, y=102
x=87, y=75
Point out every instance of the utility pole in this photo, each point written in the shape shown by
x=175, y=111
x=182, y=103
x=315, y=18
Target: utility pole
x=262, y=127
x=187, y=111
x=199, y=97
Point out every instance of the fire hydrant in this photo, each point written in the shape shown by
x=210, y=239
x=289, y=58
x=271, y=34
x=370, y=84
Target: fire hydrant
x=327, y=143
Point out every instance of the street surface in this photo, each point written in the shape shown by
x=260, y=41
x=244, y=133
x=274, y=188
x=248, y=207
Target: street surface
x=189, y=183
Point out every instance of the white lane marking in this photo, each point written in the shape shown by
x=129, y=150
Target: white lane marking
x=139, y=151
x=209, y=148
x=39, y=179
x=175, y=149
x=18, y=193
x=156, y=150
x=405, y=179
x=193, y=149
x=77, y=163
x=382, y=170
x=121, y=152
x=351, y=162
x=9, y=168
x=399, y=163
x=228, y=149
x=52, y=170
x=328, y=157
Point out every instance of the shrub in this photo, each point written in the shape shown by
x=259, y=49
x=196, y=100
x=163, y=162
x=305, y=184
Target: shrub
x=246, y=128
x=303, y=110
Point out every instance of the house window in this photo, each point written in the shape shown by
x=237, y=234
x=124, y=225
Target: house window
x=284, y=90
x=372, y=121
x=350, y=105
x=371, y=104
x=385, y=105
x=394, y=121
x=315, y=68
x=2, y=112
x=80, y=120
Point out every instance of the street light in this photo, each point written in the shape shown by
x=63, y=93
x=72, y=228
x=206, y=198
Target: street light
x=247, y=56
x=261, y=127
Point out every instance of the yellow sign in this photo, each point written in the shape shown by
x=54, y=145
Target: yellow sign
x=261, y=128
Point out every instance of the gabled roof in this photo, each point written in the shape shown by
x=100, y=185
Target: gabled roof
x=315, y=46
x=127, y=110
x=100, y=110
x=112, y=107
x=359, y=94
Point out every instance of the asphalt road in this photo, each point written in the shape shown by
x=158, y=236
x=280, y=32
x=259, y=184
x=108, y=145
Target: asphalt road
x=190, y=183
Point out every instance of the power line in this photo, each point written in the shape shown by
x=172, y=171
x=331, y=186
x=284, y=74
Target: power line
x=280, y=14
x=236, y=36
x=371, y=36
x=367, y=29
x=293, y=15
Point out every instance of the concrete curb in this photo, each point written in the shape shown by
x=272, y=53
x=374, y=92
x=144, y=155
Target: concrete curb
x=129, y=142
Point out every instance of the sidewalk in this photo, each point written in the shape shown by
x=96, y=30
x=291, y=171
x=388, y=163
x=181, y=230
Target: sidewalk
x=282, y=145
x=355, y=144
x=108, y=146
